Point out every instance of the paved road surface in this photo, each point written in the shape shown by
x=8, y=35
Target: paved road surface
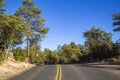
x=68, y=72
x=38, y=73
x=84, y=72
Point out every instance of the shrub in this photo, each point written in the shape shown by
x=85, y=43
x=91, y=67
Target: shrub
x=2, y=57
x=32, y=57
x=19, y=54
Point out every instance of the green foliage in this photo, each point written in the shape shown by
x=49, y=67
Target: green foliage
x=36, y=56
x=116, y=23
x=29, y=24
x=2, y=4
x=116, y=48
x=32, y=57
x=19, y=54
x=26, y=22
x=40, y=58
x=50, y=57
x=98, y=43
x=11, y=30
x=46, y=57
x=36, y=24
x=69, y=53
x=2, y=57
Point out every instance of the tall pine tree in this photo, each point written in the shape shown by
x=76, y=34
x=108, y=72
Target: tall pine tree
x=36, y=24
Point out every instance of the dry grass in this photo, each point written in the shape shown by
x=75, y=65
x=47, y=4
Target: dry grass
x=11, y=68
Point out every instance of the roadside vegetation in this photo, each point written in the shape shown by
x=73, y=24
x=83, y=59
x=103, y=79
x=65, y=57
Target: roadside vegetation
x=26, y=26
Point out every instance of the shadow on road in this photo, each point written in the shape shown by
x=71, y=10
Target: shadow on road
x=26, y=73
x=39, y=72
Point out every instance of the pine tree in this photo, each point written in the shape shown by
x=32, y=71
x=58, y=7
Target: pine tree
x=98, y=43
x=116, y=23
x=36, y=24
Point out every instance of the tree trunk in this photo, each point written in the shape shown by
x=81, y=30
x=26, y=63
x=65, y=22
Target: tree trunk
x=28, y=43
x=6, y=53
x=28, y=47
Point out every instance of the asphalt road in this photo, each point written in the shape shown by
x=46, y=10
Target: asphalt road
x=38, y=73
x=86, y=72
x=67, y=72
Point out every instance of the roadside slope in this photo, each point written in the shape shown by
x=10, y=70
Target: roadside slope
x=11, y=68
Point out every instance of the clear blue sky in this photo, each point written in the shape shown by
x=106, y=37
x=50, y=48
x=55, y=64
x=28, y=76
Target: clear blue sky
x=68, y=19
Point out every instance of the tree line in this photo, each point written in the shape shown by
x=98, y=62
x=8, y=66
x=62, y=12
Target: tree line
x=27, y=26
x=98, y=46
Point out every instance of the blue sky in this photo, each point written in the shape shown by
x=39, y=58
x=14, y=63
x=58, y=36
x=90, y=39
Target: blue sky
x=68, y=19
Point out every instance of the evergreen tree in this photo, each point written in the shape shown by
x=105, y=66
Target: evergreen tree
x=36, y=24
x=116, y=23
x=98, y=43
x=12, y=31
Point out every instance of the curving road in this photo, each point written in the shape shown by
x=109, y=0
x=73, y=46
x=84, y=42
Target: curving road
x=86, y=72
x=68, y=72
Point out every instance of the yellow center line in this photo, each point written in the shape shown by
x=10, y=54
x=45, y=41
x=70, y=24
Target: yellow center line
x=59, y=73
x=56, y=78
x=60, y=78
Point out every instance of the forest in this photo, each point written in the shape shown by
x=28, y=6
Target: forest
x=26, y=26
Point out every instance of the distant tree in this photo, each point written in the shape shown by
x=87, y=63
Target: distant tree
x=50, y=57
x=84, y=52
x=70, y=53
x=82, y=49
x=66, y=53
x=58, y=49
x=116, y=23
x=98, y=43
x=36, y=55
x=36, y=24
x=116, y=48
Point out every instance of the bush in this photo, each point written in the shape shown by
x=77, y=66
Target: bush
x=50, y=57
x=32, y=57
x=2, y=57
x=40, y=58
x=36, y=57
x=19, y=54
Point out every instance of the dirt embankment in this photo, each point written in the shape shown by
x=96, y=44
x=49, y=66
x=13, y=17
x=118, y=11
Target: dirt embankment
x=11, y=68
